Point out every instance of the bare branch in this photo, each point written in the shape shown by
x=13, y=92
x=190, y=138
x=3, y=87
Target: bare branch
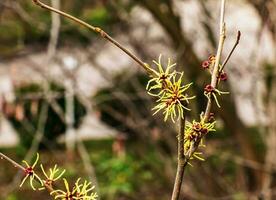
x=232, y=51
x=218, y=56
x=15, y=164
x=98, y=30
x=180, y=162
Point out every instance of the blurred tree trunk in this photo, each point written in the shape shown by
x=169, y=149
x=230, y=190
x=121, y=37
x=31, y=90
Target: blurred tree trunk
x=163, y=12
x=70, y=134
x=267, y=12
x=270, y=162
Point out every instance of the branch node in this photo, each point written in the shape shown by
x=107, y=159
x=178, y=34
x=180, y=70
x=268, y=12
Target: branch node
x=100, y=31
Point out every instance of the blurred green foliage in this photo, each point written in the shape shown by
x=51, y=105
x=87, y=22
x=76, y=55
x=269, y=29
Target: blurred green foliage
x=121, y=175
x=31, y=25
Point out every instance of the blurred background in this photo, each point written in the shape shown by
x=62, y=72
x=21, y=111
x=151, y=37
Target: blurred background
x=81, y=103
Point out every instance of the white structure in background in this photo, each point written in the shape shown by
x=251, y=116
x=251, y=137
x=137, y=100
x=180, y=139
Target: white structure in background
x=8, y=135
x=6, y=87
x=92, y=128
x=70, y=64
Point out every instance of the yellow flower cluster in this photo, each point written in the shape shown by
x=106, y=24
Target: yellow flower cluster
x=80, y=191
x=53, y=175
x=168, y=86
x=194, y=133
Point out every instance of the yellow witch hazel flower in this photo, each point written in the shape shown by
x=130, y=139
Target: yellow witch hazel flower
x=78, y=192
x=170, y=90
x=30, y=173
x=68, y=194
x=84, y=189
x=210, y=91
x=174, y=101
x=162, y=78
x=194, y=133
x=54, y=175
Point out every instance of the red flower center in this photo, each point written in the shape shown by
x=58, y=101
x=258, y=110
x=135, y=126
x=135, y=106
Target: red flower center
x=196, y=127
x=205, y=64
x=29, y=171
x=163, y=77
x=223, y=76
x=209, y=88
x=204, y=131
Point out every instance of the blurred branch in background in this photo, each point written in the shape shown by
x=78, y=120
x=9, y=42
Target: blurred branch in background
x=55, y=29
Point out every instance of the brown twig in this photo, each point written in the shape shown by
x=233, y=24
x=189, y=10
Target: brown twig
x=15, y=164
x=232, y=51
x=98, y=30
x=180, y=162
x=218, y=56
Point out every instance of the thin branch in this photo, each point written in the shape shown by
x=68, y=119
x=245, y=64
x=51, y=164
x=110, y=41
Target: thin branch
x=232, y=51
x=98, y=30
x=15, y=164
x=70, y=133
x=218, y=56
x=181, y=163
x=39, y=133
